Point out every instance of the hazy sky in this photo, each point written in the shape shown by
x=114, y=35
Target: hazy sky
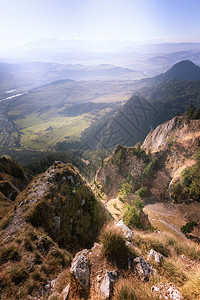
x=22, y=21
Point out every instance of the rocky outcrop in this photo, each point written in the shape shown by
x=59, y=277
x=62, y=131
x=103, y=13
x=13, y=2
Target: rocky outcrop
x=115, y=168
x=127, y=232
x=167, y=291
x=80, y=268
x=156, y=256
x=143, y=268
x=64, y=208
x=65, y=292
x=158, y=137
x=52, y=215
x=106, y=287
x=178, y=137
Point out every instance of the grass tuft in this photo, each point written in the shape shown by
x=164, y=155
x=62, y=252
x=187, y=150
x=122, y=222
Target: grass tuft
x=114, y=245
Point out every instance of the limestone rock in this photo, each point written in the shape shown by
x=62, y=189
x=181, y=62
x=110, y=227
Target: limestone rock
x=63, y=178
x=53, y=296
x=156, y=256
x=106, y=287
x=53, y=283
x=167, y=291
x=95, y=246
x=65, y=292
x=143, y=268
x=71, y=179
x=83, y=202
x=127, y=232
x=80, y=268
x=129, y=244
x=57, y=224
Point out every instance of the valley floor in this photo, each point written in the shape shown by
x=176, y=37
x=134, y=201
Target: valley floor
x=164, y=216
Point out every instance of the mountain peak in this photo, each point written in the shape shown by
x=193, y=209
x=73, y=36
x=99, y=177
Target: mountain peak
x=183, y=70
x=185, y=62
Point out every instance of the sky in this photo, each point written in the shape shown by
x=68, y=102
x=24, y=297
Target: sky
x=141, y=21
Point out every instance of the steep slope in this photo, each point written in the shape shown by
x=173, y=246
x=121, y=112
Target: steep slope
x=178, y=139
x=123, y=162
x=172, y=145
x=165, y=168
x=126, y=126
x=134, y=119
x=13, y=180
x=57, y=208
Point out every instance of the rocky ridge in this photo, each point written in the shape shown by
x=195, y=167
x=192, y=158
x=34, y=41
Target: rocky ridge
x=56, y=210
x=171, y=144
x=96, y=277
x=13, y=180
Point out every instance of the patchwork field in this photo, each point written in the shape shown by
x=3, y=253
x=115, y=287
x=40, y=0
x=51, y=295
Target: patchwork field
x=44, y=136
x=57, y=112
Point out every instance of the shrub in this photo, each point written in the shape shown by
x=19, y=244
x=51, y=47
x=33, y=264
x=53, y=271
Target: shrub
x=28, y=245
x=119, y=157
x=188, y=186
x=177, y=192
x=9, y=252
x=113, y=244
x=139, y=152
x=39, y=276
x=37, y=257
x=188, y=227
x=131, y=216
x=142, y=192
x=46, y=242
x=18, y=274
x=62, y=257
x=138, y=203
x=115, y=206
x=149, y=169
x=125, y=190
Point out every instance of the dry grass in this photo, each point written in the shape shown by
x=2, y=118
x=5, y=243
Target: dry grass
x=191, y=288
x=133, y=289
x=114, y=245
x=28, y=262
x=166, y=244
x=172, y=269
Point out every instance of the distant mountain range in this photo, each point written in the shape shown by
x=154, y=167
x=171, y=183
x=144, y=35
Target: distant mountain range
x=169, y=94
x=33, y=74
x=105, y=122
